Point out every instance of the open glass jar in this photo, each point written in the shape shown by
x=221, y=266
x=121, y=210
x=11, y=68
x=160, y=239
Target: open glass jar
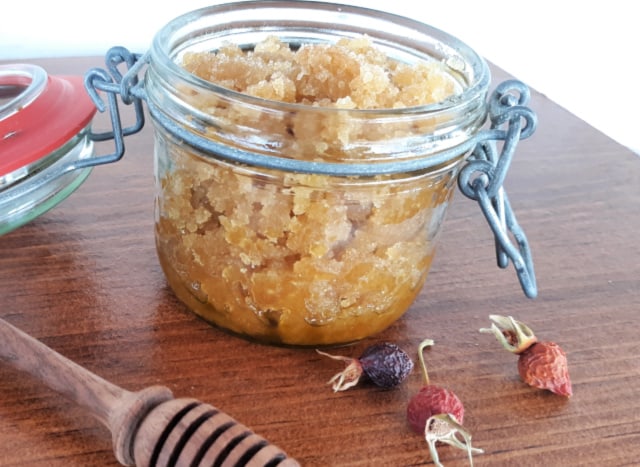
x=42, y=140
x=291, y=223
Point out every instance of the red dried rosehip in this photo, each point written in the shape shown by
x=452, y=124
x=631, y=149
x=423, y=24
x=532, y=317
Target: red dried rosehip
x=437, y=413
x=432, y=400
x=385, y=364
x=542, y=365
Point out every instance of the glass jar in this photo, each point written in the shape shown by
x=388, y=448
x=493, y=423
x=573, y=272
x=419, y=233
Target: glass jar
x=42, y=140
x=295, y=224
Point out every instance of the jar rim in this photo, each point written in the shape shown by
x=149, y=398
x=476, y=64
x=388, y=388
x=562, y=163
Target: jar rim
x=176, y=35
x=24, y=83
x=37, y=120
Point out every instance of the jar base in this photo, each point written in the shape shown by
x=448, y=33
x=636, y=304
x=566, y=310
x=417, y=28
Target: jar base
x=246, y=324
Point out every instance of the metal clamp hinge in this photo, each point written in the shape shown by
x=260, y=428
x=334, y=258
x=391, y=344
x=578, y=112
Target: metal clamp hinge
x=113, y=83
x=482, y=178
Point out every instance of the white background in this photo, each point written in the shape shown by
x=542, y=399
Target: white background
x=582, y=55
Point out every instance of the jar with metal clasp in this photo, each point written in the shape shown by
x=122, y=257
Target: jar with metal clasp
x=292, y=222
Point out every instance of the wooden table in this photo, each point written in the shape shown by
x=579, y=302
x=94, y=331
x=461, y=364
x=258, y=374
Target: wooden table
x=85, y=280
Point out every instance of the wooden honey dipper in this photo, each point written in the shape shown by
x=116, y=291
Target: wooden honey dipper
x=148, y=427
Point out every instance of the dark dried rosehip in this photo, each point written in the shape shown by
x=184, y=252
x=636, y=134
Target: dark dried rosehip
x=385, y=364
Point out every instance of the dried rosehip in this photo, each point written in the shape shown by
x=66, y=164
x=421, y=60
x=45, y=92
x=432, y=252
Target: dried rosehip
x=542, y=365
x=437, y=413
x=432, y=400
x=384, y=364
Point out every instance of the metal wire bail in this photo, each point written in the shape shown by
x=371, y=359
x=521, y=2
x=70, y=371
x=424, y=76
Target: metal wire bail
x=482, y=177
x=113, y=83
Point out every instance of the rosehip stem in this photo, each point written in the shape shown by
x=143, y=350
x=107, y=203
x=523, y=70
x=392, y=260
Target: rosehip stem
x=423, y=345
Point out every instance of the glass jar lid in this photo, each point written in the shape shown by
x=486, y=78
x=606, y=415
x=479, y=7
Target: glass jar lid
x=44, y=123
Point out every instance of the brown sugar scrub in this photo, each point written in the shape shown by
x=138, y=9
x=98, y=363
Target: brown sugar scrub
x=350, y=74
x=294, y=258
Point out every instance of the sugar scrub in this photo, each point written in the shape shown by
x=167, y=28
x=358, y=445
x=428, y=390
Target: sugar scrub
x=295, y=258
x=350, y=74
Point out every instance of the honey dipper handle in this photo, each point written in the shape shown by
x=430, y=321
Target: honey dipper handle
x=59, y=373
x=148, y=427
x=121, y=411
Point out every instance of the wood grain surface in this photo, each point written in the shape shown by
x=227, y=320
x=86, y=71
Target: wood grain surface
x=85, y=280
